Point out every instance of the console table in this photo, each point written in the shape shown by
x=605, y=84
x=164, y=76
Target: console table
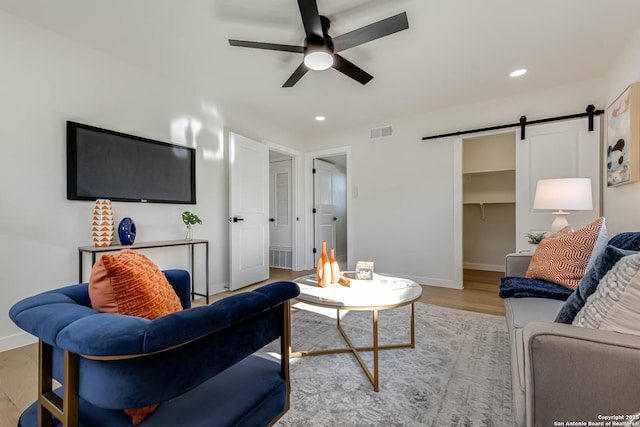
x=94, y=250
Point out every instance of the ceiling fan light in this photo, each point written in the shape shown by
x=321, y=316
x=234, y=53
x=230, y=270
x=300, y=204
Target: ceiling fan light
x=318, y=60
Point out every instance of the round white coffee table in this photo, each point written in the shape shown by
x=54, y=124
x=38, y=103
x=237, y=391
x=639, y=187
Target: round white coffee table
x=381, y=293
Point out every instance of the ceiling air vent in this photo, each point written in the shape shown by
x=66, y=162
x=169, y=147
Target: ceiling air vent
x=381, y=132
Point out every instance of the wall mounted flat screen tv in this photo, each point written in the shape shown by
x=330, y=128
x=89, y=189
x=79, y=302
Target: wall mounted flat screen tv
x=104, y=164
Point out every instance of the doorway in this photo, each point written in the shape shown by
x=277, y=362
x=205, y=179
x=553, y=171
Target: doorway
x=281, y=217
x=344, y=233
x=330, y=205
x=489, y=196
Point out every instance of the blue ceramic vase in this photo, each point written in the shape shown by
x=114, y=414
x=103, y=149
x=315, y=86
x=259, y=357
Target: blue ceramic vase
x=127, y=231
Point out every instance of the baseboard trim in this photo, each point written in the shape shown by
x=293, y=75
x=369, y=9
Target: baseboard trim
x=485, y=267
x=430, y=281
x=17, y=340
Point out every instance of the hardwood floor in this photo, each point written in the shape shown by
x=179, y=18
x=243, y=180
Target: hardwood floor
x=18, y=367
x=480, y=293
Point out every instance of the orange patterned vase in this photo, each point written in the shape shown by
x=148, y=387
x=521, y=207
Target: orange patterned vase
x=323, y=269
x=102, y=228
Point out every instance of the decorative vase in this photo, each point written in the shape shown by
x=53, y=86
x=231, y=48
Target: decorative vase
x=323, y=269
x=335, y=268
x=533, y=247
x=102, y=223
x=188, y=234
x=127, y=231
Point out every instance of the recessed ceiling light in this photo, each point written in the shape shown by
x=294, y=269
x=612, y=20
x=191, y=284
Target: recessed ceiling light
x=320, y=118
x=519, y=72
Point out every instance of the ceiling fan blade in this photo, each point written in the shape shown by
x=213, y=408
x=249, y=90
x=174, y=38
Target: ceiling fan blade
x=371, y=32
x=267, y=46
x=353, y=71
x=297, y=75
x=311, y=18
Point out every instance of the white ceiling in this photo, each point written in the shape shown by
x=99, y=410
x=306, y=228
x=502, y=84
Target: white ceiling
x=454, y=52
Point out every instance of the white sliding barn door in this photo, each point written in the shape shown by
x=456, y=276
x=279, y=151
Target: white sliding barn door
x=563, y=149
x=249, y=211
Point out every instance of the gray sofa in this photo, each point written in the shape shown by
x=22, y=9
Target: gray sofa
x=564, y=373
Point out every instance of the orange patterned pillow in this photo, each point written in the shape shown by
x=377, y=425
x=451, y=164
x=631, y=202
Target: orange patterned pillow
x=130, y=283
x=562, y=257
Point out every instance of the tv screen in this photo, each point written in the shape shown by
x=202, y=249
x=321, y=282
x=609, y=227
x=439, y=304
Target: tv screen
x=104, y=164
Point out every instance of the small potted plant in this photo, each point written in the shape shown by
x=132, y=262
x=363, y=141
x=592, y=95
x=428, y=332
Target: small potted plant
x=534, y=239
x=190, y=219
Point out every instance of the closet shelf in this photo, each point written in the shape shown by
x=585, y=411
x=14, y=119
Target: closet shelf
x=469, y=199
x=485, y=171
x=488, y=202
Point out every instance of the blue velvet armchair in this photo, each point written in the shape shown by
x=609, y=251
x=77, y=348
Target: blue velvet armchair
x=198, y=363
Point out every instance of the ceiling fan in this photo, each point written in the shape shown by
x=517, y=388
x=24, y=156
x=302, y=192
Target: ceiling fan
x=321, y=50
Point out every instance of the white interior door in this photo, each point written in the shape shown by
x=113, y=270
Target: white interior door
x=249, y=211
x=564, y=149
x=324, y=204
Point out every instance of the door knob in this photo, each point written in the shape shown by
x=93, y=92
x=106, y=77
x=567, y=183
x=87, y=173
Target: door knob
x=272, y=220
x=236, y=219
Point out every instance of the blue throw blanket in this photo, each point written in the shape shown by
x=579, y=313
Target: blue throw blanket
x=520, y=287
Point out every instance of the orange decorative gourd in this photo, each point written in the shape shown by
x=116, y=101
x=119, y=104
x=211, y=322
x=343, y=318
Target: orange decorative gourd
x=335, y=268
x=323, y=269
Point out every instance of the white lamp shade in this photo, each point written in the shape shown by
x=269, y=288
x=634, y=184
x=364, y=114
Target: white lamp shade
x=572, y=194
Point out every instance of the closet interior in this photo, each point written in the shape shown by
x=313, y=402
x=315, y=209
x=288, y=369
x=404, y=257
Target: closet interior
x=489, y=196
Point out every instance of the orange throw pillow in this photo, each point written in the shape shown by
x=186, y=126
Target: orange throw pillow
x=562, y=257
x=130, y=283
x=139, y=414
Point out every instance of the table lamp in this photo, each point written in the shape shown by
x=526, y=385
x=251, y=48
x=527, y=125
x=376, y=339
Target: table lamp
x=563, y=193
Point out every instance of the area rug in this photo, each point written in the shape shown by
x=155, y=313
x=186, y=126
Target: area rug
x=458, y=374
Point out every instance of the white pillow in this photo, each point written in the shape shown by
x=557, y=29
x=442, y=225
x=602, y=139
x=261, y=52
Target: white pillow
x=614, y=304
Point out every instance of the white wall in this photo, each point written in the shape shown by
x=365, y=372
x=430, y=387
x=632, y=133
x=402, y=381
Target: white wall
x=622, y=203
x=46, y=80
x=403, y=214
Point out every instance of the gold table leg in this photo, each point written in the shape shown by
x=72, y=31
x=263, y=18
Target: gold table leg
x=374, y=377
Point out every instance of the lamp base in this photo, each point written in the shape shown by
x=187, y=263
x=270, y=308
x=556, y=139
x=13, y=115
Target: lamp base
x=560, y=221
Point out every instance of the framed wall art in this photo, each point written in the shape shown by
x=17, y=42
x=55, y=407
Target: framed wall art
x=623, y=137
